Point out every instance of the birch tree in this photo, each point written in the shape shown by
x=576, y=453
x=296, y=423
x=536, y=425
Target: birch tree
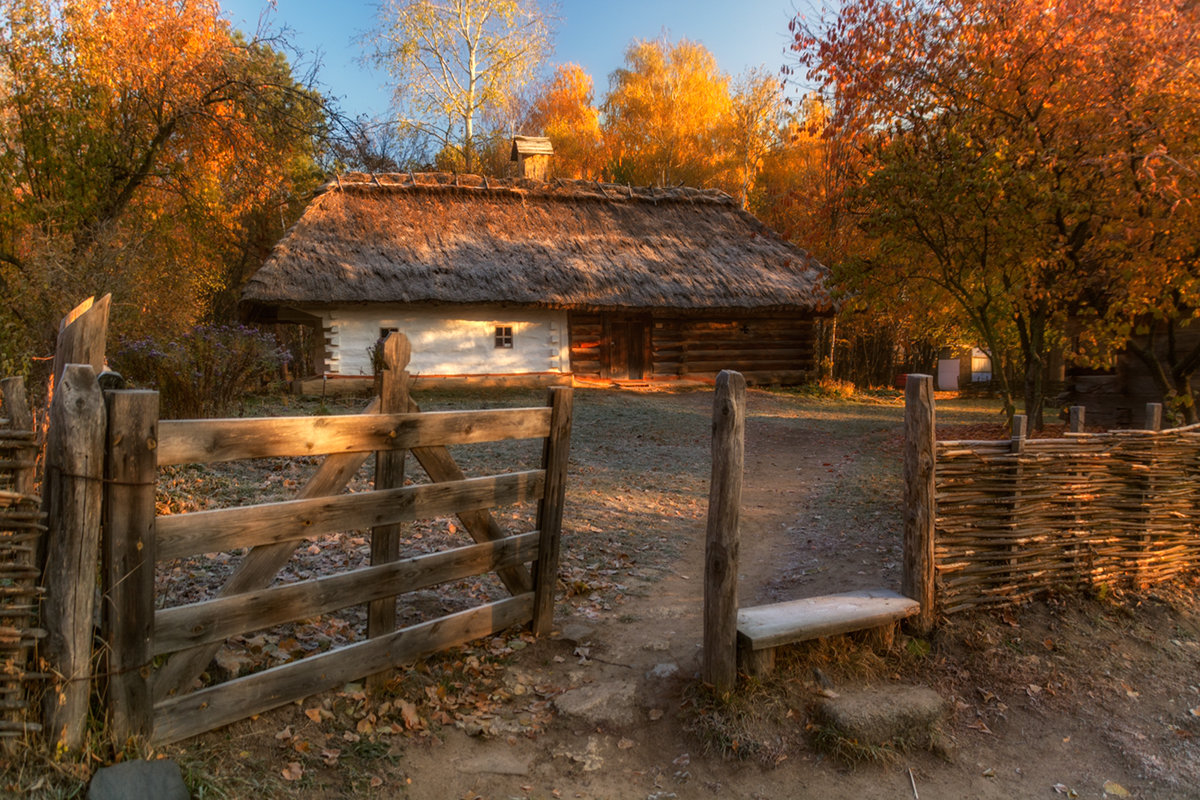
x=452, y=60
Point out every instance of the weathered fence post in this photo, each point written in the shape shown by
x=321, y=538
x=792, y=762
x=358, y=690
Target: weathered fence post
x=1154, y=416
x=14, y=407
x=555, y=452
x=389, y=474
x=129, y=557
x=920, y=511
x=721, y=543
x=81, y=337
x=74, y=471
x=1078, y=416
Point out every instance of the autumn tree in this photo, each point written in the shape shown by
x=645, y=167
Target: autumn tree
x=564, y=109
x=453, y=60
x=998, y=140
x=756, y=124
x=139, y=139
x=664, y=114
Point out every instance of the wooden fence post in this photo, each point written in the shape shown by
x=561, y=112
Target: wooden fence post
x=920, y=511
x=129, y=558
x=721, y=542
x=555, y=451
x=15, y=408
x=1078, y=417
x=389, y=474
x=1154, y=416
x=81, y=336
x=74, y=471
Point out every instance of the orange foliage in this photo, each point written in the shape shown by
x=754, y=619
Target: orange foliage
x=1037, y=161
x=142, y=141
x=564, y=111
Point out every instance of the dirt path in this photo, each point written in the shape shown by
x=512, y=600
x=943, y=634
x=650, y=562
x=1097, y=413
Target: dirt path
x=819, y=516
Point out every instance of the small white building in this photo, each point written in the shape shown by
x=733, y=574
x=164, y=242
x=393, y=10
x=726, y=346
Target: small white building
x=527, y=280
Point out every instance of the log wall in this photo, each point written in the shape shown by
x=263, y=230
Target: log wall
x=779, y=348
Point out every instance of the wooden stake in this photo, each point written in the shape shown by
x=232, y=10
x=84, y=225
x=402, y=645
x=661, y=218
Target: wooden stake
x=129, y=557
x=920, y=510
x=389, y=474
x=81, y=336
x=1154, y=416
x=1078, y=415
x=555, y=452
x=721, y=544
x=1020, y=432
x=74, y=470
x=15, y=408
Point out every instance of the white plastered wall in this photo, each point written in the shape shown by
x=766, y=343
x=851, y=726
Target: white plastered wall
x=449, y=341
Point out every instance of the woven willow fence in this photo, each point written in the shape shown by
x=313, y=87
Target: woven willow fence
x=22, y=524
x=1019, y=518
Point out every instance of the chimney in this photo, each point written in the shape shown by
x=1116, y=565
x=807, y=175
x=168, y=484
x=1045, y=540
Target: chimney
x=532, y=154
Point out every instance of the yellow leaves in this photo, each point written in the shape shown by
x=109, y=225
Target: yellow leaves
x=665, y=109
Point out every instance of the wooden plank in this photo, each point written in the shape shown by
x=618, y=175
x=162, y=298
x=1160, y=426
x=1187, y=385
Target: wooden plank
x=249, y=526
x=218, y=619
x=259, y=568
x=555, y=453
x=212, y=440
x=192, y=714
x=129, y=559
x=721, y=544
x=1078, y=415
x=772, y=625
x=74, y=474
x=389, y=474
x=920, y=510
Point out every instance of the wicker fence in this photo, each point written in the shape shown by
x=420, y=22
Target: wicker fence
x=1022, y=517
x=21, y=528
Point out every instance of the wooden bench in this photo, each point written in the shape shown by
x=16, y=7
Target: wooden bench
x=760, y=629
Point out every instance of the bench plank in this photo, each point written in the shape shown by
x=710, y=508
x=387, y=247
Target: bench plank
x=761, y=627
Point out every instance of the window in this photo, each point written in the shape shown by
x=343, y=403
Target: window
x=504, y=337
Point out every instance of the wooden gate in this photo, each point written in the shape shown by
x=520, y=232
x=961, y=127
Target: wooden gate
x=153, y=701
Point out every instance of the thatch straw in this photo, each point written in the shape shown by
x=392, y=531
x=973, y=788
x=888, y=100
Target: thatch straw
x=1064, y=513
x=437, y=238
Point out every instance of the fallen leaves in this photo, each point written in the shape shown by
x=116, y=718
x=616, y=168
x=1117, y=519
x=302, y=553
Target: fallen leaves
x=293, y=771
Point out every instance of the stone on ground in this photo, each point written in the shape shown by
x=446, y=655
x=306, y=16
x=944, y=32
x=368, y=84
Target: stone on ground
x=138, y=780
x=494, y=759
x=897, y=716
x=600, y=703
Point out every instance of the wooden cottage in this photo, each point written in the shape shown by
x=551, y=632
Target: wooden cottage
x=533, y=280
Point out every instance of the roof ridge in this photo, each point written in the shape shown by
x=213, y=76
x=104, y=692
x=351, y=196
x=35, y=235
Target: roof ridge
x=559, y=188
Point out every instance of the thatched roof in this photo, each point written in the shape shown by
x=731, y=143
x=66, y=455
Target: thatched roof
x=438, y=238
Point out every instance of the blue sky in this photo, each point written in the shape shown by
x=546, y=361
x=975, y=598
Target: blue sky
x=592, y=33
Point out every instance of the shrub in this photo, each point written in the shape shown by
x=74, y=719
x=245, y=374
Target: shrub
x=204, y=373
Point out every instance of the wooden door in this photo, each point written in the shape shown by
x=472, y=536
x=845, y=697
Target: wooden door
x=628, y=347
